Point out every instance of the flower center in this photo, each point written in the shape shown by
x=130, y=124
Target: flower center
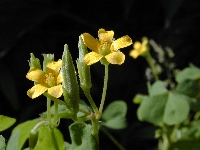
x=50, y=79
x=104, y=48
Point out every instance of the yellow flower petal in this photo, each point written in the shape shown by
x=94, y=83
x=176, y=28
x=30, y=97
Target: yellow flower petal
x=115, y=58
x=134, y=53
x=59, y=79
x=92, y=58
x=36, y=91
x=121, y=43
x=90, y=41
x=137, y=45
x=105, y=35
x=35, y=75
x=55, y=66
x=55, y=91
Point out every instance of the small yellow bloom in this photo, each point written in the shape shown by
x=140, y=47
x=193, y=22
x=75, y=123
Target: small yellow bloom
x=139, y=48
x=49, y=81
x=105, y=47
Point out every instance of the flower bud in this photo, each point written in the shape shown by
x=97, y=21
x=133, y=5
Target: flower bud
x=33, y=137
x=47, y=59
x=70, y=84
x=34, y=62
x=83, y=68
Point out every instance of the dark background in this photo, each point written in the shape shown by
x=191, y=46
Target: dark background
x=44, y=26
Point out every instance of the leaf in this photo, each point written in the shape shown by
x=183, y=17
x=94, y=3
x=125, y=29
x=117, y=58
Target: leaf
x=81, y=137
x=13, y=142
x=50, y=139
x=6, y=122
x=177, y=109
x=116, y=123
x=20, y=134
x=152, y=109
x=116, y=108
x=189, y=73
x=185, y=145
x=2, y=143
x=157, y=88
x=188, y=87
x=114, y=115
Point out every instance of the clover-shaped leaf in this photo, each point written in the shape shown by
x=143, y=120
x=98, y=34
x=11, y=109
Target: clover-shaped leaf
x=82, y=138
x=114, y=115
x=189, y=73
x=171, y=109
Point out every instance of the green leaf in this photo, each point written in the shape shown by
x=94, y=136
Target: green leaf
x=157, y=88
x=114, y=115
x=189, y=87
x=2, y=143
x=116, y=123
x=20, y=134
x=6, y=122
x=152, y=109
x=189, y=73
x=177, y=109
x=50, y=139
x=116, y=108
x=81, y=137
x=186, y=145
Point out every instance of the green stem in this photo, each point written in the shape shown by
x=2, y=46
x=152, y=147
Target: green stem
x=113, y=139
x=48, y=110
x=151, y=63
x=41, y=123
x=56, y=113
x=89, y=97
x=104, y=90
x=95, y=128
x=54, y=99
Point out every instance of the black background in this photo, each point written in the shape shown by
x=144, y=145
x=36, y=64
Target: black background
x=44, y=26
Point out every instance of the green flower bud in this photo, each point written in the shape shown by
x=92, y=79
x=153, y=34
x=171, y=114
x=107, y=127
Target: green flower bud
x=83, y=68
x=33, y=137
x=70, y=84
x=47, y=59
x=34, y=62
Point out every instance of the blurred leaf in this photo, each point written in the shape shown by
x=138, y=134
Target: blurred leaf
x=157, y=88
x=172, y=108
x=189, y=87
x=81, y=137
x=50, y=139
x=114, y=115
x=20, y=134
x=2, y=143
x=176, y=109
x=190, y=73
x=152, y=109
x=6, y=122
x=186, y=145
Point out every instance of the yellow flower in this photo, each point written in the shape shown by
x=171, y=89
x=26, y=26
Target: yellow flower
x=139, y=48
x=105, y=47
x=49, y=81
